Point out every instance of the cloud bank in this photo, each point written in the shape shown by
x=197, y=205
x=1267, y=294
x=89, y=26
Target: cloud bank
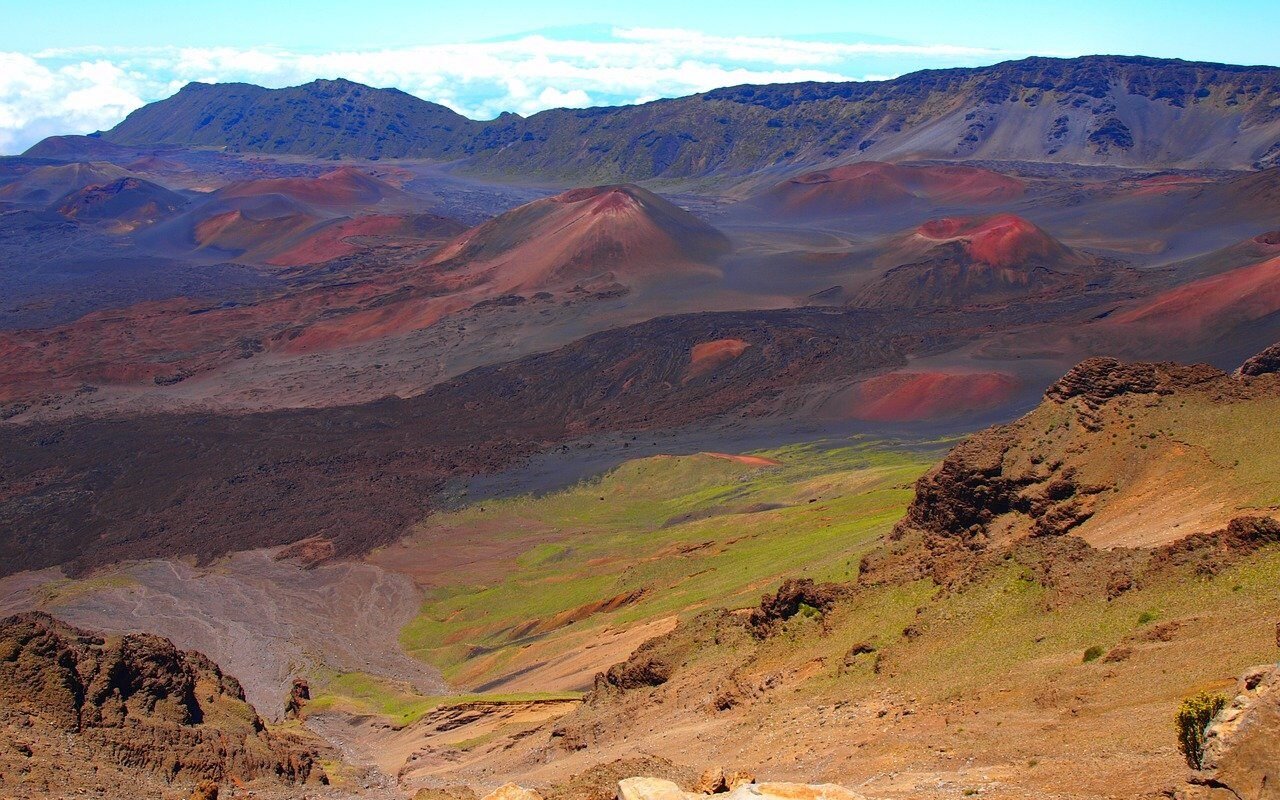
x=87, y=89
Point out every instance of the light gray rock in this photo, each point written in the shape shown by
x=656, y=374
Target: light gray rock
x=1242, y=745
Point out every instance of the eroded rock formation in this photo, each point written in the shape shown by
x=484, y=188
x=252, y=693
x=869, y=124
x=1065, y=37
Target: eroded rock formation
x=83, y=708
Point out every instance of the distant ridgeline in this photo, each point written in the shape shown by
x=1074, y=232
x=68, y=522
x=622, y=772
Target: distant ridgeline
x=1128, y=111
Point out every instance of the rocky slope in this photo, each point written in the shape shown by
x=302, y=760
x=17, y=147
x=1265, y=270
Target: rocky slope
x=1090, y=110
x=80, y=711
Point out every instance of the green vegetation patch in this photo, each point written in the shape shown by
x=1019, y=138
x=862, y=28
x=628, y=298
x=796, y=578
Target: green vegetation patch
x=663, y=536
x=359, y=692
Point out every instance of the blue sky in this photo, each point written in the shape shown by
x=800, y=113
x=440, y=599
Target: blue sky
x=74, y=67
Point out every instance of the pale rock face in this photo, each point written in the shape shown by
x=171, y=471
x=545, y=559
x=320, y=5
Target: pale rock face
x=511, y=791
x=1242, y=747
x=657, y=789
x=793, y=791
x=652, y=789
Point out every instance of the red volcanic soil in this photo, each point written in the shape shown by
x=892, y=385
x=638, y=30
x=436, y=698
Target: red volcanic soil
x=625, y=233
x=128, y=203
x=751, y=461
x=1222, y=301
x=705, y=357
x=338, y=239
x=871, y=185
x=248, y=233
x=912, y=396
x=1002, y=240
x=346, y=186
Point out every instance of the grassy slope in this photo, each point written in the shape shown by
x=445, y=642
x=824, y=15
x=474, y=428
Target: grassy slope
x=614, y=535
x=1008, y=645
x=361, y=693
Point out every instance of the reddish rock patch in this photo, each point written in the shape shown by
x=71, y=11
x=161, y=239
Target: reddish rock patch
x=704, y=357
x=752, y=461
x=912, y=396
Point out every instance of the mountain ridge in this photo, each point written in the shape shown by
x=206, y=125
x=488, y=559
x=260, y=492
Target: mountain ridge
x=1116, y=110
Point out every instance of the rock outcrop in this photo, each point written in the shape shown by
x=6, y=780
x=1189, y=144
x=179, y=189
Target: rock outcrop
x=1264, y=363
x=1096, y=380
x=792, y=597
x=1102, y=439
x=299, y=696
x=86, y=709
x=1242, y=746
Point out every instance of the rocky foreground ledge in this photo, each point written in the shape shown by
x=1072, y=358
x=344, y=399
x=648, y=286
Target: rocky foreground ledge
x=734, y=786
x=1241, y=762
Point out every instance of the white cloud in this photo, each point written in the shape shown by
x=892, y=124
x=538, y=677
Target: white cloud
x=86, y=89
x=38, y=100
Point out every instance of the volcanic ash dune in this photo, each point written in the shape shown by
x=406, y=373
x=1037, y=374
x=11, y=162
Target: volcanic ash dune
x=346, y=186
x=967, y=260
x=873, y=186
x=125, y=203
x=1210, y=309
x=624, y=233
x=44, y=185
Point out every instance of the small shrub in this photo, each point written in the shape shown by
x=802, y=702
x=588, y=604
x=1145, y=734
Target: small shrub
x=1192, y=721
x=1146, y=616
x=1093, y=653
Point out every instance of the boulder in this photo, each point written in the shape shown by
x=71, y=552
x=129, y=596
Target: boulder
x=1242, y=745
x=651, y=789
x=1264, y=363
x=511, y=791
x=741, y=786
x=711, y=782
x=205, y=790
x=715, y=781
